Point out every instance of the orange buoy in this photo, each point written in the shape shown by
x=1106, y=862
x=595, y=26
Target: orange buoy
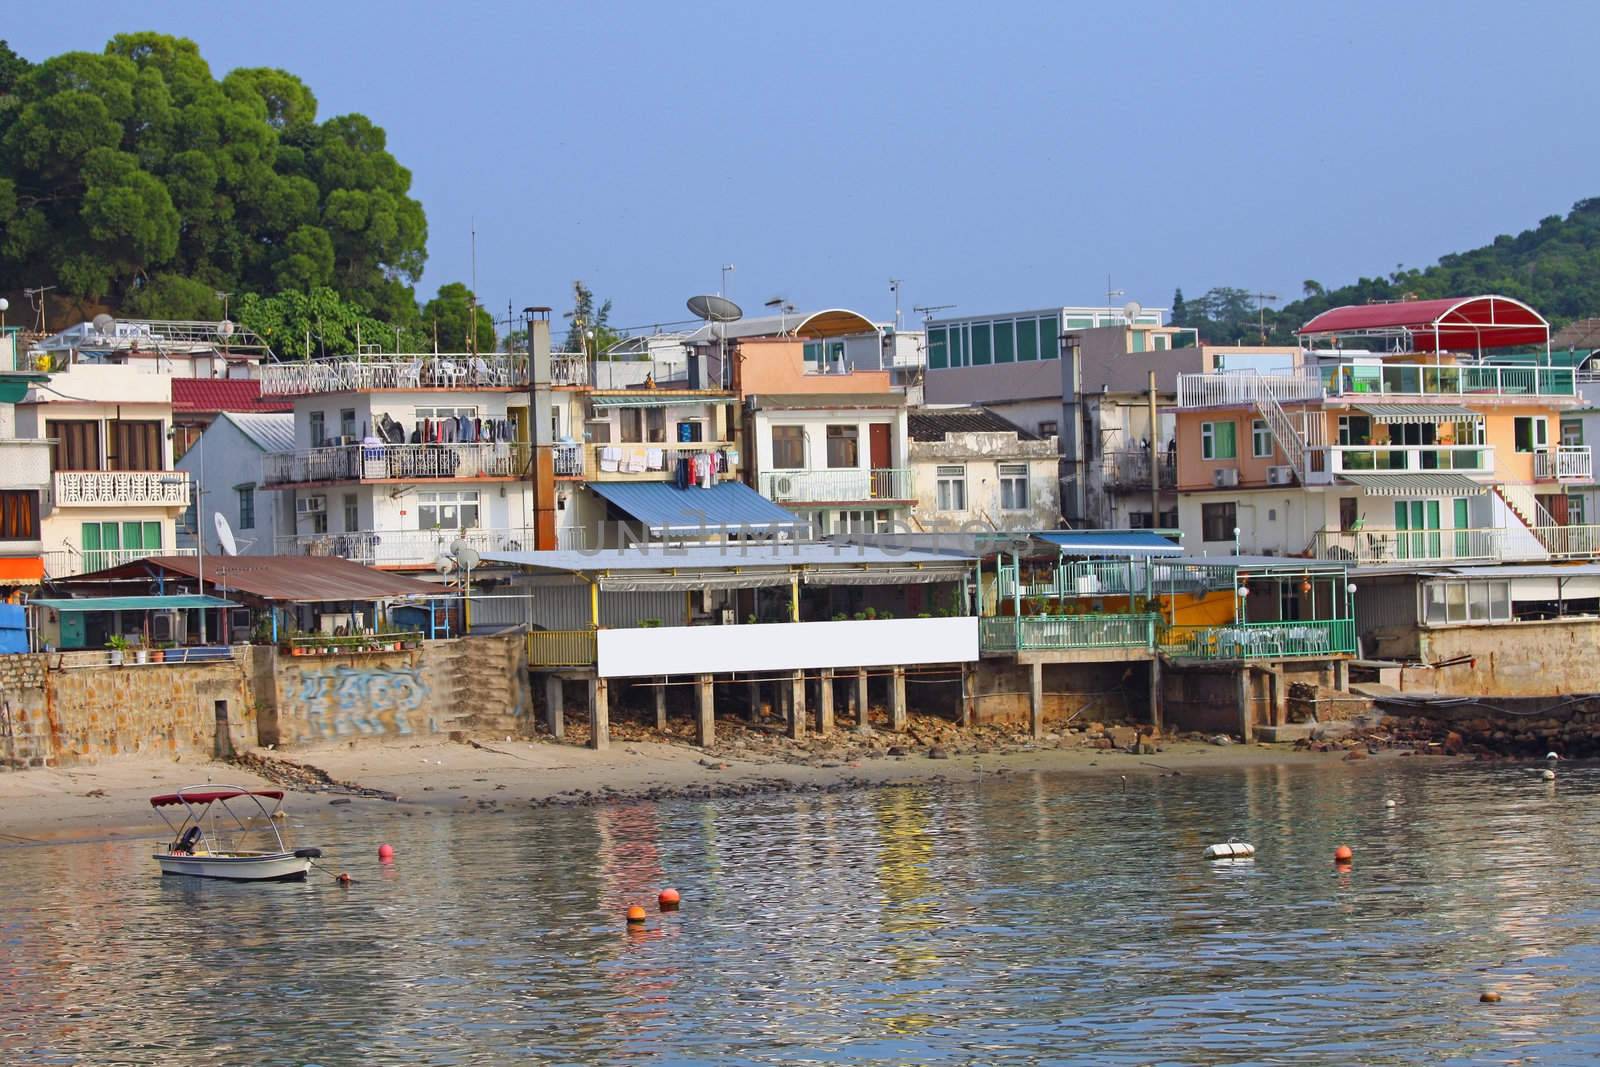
x=635, y=914
x=1342, y=854
x=344, y=878
x=386, y=853
x=668, y=900
x=1489, y=997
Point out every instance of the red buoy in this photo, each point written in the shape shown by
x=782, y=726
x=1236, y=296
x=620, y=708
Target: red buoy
x=1343, y=854
x=344, y=878
x=386, y=853
x=668, y=900
x=635, y=914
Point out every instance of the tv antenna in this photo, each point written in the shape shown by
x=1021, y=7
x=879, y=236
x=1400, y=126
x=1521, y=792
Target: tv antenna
x=894, y=287
x=727, y=269
x=36, y=301
x=927, y=310
x=1262, y=299
x=1112, y=294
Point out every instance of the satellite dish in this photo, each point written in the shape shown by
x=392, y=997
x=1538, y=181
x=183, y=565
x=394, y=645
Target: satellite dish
x=464, y=554
x=225, y=328
x=714, y=309
x=104, y=324
x=444, y=564
x=1130, y=311
x=230, y=547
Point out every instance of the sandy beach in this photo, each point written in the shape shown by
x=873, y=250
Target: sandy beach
x=436, y=774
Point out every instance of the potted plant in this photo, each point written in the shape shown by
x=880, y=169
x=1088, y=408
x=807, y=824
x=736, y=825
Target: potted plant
x=119, y=649
x=158, y=654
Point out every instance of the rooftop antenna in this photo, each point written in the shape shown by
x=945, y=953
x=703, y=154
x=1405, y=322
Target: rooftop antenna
x=472, y=304
x=1112, y=294
x=716, y=310
x=36, y=301
x=727, y=269
x=894, y=287
x=927, y=310
x=784, y=310
x=1262, y=299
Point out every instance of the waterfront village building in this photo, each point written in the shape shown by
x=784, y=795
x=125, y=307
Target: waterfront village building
x=25, y=461
x=1083, y=375
x=224, y=464
x=196, y=403
x=1434, y=441
x=970, y=466
x=1580, y=427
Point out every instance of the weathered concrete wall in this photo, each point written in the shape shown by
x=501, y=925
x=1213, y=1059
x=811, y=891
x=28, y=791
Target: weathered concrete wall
x=1200, y=699
x=1084, y=692
x=1520, y=659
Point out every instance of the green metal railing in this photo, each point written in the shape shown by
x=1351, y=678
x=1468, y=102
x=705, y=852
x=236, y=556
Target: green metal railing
x=1044, y=632
x=561, y=648
x=1261, y=640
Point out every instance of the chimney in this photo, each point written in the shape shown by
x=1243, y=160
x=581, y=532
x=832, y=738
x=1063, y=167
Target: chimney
x=543, y=474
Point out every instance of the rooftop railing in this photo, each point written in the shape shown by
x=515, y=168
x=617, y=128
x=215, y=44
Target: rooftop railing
x=1421, y=380
x=1566, y=463
x=368, y=371
x=70, y=562
x=1372, y=547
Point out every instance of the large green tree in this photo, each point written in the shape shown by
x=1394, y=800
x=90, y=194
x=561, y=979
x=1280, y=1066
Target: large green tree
x=135, y=178
x=447, y=316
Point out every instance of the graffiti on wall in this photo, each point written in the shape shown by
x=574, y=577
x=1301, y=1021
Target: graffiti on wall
x=342, y=701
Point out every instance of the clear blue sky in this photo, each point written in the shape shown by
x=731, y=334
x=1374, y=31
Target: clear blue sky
x=994, y=156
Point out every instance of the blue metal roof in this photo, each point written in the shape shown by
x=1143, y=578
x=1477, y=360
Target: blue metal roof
x=174, y=602
x=665, y=508
x=1110, y=542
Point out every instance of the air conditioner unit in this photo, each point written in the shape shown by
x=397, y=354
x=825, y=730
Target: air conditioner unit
x=1280, y=475
x=783, y=486
x=1225, y=477
x=160, y=626
x=310, y=505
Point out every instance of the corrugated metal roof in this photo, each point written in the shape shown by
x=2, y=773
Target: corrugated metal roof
x=931, y=424
x=1390, y=414
x=270, y=433
x=1111, y=542
x=175, y=602
x=1420, y=484
x=223, y=394
x=825, y=401
x=722, y=557
x=665, y=508
x=290, y=579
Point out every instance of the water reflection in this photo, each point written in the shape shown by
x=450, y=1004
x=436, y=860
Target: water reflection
x=1017, y=921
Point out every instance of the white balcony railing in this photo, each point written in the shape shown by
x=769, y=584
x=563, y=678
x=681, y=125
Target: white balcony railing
x=97, y=488
x=569, y=369
x=843, y=486
x=70, y=562
x=1423, y=380
x=360, y=463
x=1567, y=463
x=1219, y=390
x=1358, y=459
x=1410, y=546
x=343, y=374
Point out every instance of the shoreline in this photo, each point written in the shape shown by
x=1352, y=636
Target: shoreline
x=436, y=775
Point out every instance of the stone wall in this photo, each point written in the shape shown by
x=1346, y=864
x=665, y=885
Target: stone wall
x=1083, y=692
x=1511, y=659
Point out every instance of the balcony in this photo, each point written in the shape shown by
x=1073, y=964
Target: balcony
x=1226, y=390
x=1371, y=547
x=374, y=371
x=70, y=562
x=1069, y=632
x=1413, y=380
x=1565, y=463
x=838, y=486
x=569, y=369
x=1129, y=471
x=402, y=548
x=640, y=462
x=1086, y=578
x=1365, y=459
x=1319, y=638
x=499, y=460
x=134, y=488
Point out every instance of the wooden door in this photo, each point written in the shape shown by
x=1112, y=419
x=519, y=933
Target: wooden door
x=879, y=459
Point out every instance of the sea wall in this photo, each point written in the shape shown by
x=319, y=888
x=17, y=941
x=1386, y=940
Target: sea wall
x=1526, y=659
x=1082, y=692
x=1507, y=726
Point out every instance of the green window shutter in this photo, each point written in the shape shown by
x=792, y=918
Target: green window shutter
x=89, y=541
x=133, y=535
x=1027, y=340
x=981, y=349
x=1227, y=444
x=1004, y=342
x=110, y=536
x=814, y=352
x=1138, y=340
x=938, y=350
x=152, y=535
x=1050, y=337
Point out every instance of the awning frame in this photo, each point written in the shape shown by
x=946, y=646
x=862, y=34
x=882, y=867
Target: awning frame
x=1415, y=483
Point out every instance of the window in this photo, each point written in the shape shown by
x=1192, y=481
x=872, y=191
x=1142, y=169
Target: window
x=1005, y=349
x=1572, y=432
x=319, y=522
x=632, y=420
x=106, y=544
x=1528, y=432
x=1027, y=340
x=19, y=515
x=1347, y=513
x=952, y=488
x=1260, y=440
x=1161, y=342
x=447, y=510
x=77, y=444
x=1355, y=430
x=1050, y=337
x=844, y=446
x=1468, y=432
x=691, y=430
x=1013, y=487
x=788, y=448
x=1216, y=441
x=1047, y=428
x=1466, y=602
x=655, y=425
x=319, y=433
x=938, y=349
x=1575, y=512
x=813, y=352
x=980, y=343
x=247, y=507
x=347, y=422
x=864, y=521
x=1218, y=521
x=958, y=346
x=352, y=513
x=134, y=445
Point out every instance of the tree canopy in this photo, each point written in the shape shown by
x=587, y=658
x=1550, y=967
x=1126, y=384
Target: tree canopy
x=136, y=179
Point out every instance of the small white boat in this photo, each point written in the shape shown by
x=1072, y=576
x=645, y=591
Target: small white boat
x=213, y=841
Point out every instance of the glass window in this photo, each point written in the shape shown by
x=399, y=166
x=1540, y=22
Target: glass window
x=1050, y=337
x=1005, y=346
x=1217, y=441
x=1575, y=510
x=1572, y=432
x=318, y=429
x=1217, y=521
x=1161, y=342
x=844, y=446
x=1138, y=340
x=1455, y=601
x=1478, y=601
x=19, y=515
x=1528, y=432
x=1013, y=487
x=655, y=425
x=1355, y=430
x=347, y=422
x=1500, y=601
x=632, y=424
x=1027, y=340
x=1260, y=439
x=958, y=346
x=952, y=487
x=938, y=349
x=352, y=513
x=447, y=413
x=447, y=510
x=814, y=352
x=788, y=448
x=247, y=507
x=981, y=344
x=135, y=445
x=1433, y=603
x=1047, y=427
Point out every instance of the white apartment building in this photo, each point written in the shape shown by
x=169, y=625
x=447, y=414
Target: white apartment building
x=225, y=466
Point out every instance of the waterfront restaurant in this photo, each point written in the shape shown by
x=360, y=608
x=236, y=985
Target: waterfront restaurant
x=803, y=616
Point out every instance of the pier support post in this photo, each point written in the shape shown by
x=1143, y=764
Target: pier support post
x=1036, y=699
x=755, y=700
x=969, y=703
x=863, y=708
x=825, y=701
x=1280, y=696
x=1341, y=675
x=1155, y=693
x=555, y=700
x=661, y=705
x=705, y=722
x=599, y=714
x=897, y=701
x=1247, y=730
x=794, y=698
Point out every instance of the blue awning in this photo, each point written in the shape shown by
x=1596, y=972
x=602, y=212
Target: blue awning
x=1111, y=543
x=666, y=509
x=175, y=602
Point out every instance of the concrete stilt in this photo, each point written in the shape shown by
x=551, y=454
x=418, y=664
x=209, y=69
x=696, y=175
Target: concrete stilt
x=1280, y=696
x=555, y=697
x=1341, y=675
x=705, y=723
x=661, y=705
x=1155, y=693
x=969, y=703
x=794, y=698
x=863, y=708
x=897, y=701
x=825, y=702
x=1247, y=729
x=1036, y=699
x=755, y=701
x=599, y=714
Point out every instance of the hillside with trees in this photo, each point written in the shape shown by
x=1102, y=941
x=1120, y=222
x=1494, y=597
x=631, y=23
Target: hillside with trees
x=1555, y=267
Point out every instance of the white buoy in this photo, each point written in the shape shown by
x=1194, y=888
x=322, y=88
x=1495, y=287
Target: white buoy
x=1388, y=803
x=1230, y=850
x=1549, y=775
x=1551, y=756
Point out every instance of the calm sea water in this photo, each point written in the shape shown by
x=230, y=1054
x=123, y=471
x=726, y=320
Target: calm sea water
x=1023, y=920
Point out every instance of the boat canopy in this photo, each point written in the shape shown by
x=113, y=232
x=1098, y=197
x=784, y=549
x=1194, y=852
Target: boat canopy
x=206, y=796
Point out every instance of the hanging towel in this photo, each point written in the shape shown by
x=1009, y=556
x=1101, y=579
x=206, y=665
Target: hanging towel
x=655, y=459
x=610, y=459
x=708, y=471
x=636, y=460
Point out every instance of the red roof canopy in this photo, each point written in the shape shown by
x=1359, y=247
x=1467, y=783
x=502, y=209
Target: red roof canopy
x=210, y=395
x=1462, y=324
x=206, y=796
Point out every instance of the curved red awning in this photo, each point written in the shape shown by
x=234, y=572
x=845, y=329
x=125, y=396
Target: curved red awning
x=1452, y=324
x=206, y=796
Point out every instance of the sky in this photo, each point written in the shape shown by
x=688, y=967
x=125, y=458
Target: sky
x=994, y=157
